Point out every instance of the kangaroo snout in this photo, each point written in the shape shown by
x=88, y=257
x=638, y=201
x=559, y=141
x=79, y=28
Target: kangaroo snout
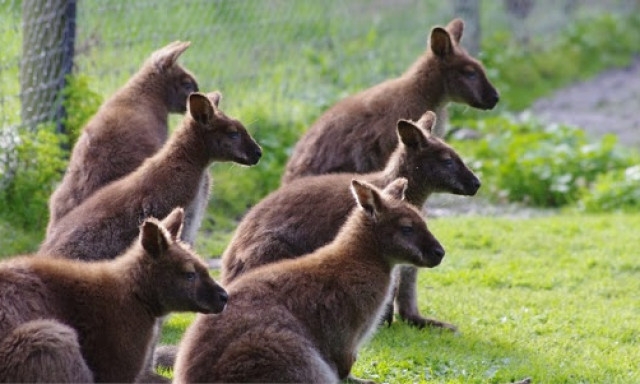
x=434, y=256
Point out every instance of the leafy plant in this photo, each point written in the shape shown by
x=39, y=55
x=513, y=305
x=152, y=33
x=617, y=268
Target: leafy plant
x=614, y=191
x=38, y=163
x=545, y=165
x=80, y=103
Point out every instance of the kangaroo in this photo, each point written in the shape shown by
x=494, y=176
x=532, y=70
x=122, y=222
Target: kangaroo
x=128, y=128
x=69, y=321
x=287, y=224
x=106, y=223
x=303, y=320
x=355, y=136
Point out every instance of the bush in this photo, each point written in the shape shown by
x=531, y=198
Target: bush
x=38, y=163
x=614, y=191
x=544, y=165
x=33, y=162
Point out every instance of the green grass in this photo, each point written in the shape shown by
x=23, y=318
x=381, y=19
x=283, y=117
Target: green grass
x=552, y=298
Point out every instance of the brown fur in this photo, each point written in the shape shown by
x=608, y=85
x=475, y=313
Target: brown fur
x=106, y=223
x=303, y=320
x=128, y=128
x=355, y=135
x=306, y=214
x=106, y=310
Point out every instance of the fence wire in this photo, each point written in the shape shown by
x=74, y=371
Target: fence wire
x=281, y=50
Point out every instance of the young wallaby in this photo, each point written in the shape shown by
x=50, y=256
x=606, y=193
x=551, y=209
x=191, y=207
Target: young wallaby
x=303, y=320
x=106, y=223
x=306, y=214
x=355, y=134
x=128, y=128
x=71, y=321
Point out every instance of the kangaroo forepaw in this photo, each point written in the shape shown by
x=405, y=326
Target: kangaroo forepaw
x=421, y=322
x=387, y=318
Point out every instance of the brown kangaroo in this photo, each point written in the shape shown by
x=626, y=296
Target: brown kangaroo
x=69, y=321
x=303, y=320
x=128, y=128
x=306, y=214
x=106, y=223
x=355, y=135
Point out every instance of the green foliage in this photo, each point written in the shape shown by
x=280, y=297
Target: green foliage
x=524, y=73
x=545, y=165
x=38, y=163
x=614, y=191
x=80, y=103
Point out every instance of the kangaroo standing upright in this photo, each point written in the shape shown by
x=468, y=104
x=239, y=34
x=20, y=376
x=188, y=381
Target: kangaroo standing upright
x=286, y=225
x=303, y=320
x=69, y=321
x=128, y=128
x=356, y=134
x=106, y=223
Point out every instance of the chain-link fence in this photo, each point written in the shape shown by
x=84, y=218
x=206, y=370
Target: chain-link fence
x=277, y=50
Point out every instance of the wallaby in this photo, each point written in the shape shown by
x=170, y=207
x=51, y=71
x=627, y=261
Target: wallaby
x=70, y=321
x=128, y=128
x=106, y=223
x=306, y=214
x=355, y=134
x=303, y=320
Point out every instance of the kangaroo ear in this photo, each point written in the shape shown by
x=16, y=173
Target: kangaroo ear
x=215, y=98
x=455, y=28
x=174, y=222
x=396, y=188
x=441, y=42
x=368, y=198
x=167, y=56
x=200, y=108
x=411, y=135
x=427, y=121
x=154, y=238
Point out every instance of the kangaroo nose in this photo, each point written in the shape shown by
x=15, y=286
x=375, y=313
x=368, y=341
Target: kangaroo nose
x=476, y=184
x=223, y=297
x=439, y=252
x=258, y=152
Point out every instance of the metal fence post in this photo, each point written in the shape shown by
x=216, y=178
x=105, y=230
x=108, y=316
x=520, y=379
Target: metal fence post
x=47, y=57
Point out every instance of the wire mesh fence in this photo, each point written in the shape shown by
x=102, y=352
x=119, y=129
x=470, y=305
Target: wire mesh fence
x=278, y=51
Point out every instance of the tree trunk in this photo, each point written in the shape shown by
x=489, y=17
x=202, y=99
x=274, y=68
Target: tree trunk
x=47, y=57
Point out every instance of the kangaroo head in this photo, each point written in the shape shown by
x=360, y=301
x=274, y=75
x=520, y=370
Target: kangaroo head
x=402, y=233
x=177, y=81
x=180, y=277
x=429, y=163
x=226, y=138
x=464, y=77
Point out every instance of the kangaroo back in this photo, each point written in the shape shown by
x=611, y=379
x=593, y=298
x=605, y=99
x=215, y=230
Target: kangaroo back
x=130, y=127
x=355, y=135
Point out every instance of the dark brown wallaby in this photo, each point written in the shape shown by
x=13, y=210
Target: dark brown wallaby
x=106, y=223
x=303, y=320
x=355, y=135
x=306, y=214
x=66, y=320
x=128, y=128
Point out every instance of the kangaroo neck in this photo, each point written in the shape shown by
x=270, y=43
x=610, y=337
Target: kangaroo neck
x=425, y=82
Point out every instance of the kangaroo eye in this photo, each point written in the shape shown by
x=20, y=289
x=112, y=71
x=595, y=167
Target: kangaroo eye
x=448, y=162
x=191, y=276
x=234, y=135
x=406, y=230
x=470, y=74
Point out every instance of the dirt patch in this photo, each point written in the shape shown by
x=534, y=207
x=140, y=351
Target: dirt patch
x=608, y=103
